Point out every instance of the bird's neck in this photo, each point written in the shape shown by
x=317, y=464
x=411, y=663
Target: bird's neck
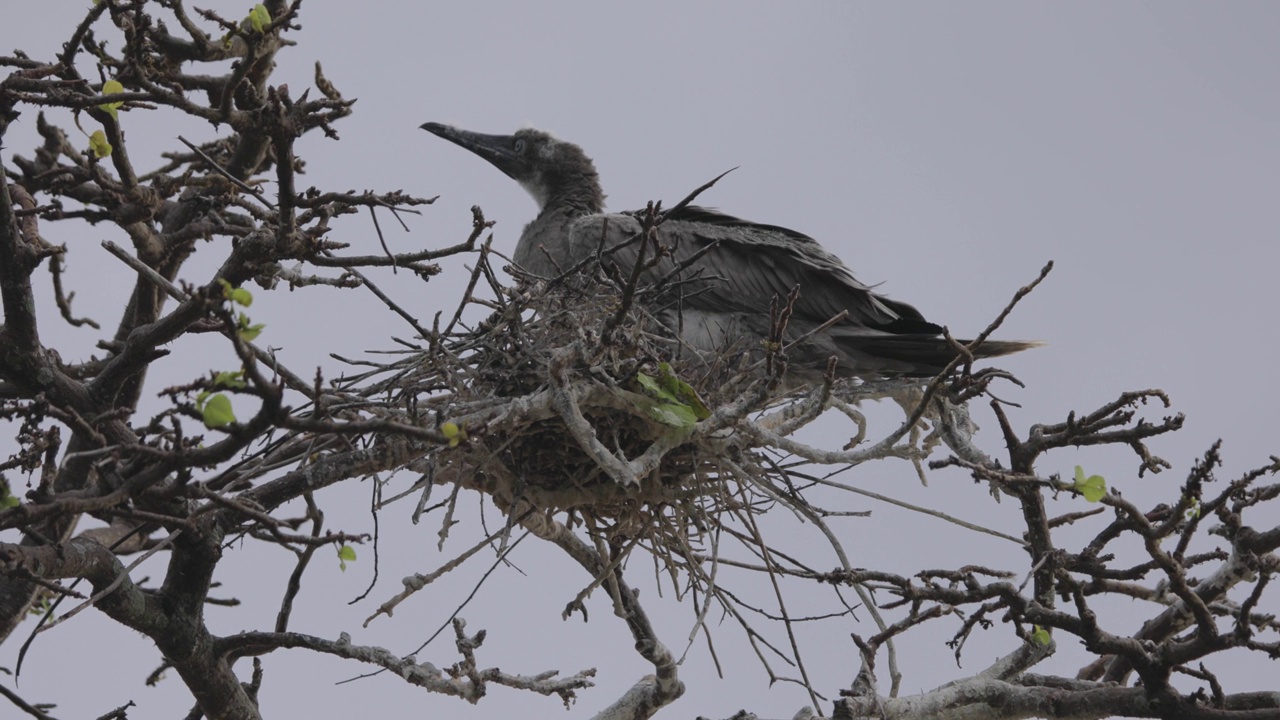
x=544, y=247
x=574, y=198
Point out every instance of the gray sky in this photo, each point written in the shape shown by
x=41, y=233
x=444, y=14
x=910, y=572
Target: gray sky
x=947, y=151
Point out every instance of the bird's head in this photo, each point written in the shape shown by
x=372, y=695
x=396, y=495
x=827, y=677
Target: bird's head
x=553, y=171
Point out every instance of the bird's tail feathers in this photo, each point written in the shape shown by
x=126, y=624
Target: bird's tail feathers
x=929, y=354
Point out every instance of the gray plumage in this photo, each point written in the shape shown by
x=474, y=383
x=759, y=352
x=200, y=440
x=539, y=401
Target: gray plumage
x=734, y=283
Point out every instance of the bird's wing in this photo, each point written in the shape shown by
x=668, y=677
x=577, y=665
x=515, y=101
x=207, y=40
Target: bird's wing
x=751, y=264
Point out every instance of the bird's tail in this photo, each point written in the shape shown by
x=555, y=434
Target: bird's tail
x=929, y=354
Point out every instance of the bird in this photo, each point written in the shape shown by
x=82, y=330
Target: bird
x=742, y=269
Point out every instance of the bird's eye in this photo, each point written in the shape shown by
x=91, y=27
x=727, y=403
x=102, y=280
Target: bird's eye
x=519, y=147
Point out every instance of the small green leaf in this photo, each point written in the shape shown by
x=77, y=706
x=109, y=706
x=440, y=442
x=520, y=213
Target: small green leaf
x=346, y=554
x=454, y=433
x=98, y=144
x=112, y=87
x=1093, y=488
x=228, y=379
x=652, y=387
x=673, y=414
x=216, y=411
x=682, y=391
x=249, y=332
x=7, y=500
x=668, y=394
x=40, y=607
x=259, y=18
x=1041, y=636
x=237, y=295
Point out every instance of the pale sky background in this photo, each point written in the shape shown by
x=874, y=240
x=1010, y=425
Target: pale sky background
x=945, y=150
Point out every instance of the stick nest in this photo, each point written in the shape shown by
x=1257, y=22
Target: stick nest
x=544, y=408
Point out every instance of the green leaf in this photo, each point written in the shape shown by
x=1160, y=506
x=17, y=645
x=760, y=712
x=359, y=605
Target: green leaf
x=1093, y=488
x=249, y=332
x=217, y=412
x=112, y=87
x=1041, y=636
x=346, y=554
x=652, y=386
x=673, y=414
x=98, y=144
x=7, y=500
x=259, y=18
x=682, y=391
x=668, y=396
x=40, y=607
x=454, y=433
x=237, y=295
x=229, y=379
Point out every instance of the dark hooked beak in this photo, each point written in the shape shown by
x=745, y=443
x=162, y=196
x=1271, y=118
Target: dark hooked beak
x=497, y=149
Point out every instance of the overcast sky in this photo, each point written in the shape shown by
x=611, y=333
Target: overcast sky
x=945, y=150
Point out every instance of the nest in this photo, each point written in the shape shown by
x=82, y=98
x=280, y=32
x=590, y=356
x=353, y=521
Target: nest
x=547, y=409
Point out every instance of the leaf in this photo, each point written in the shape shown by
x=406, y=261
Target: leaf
x=667, y=405
x=259, y=18
x=112, y=87
x=7, y=500
x=346, y=554
x=237, y=295
x=249, y=332
x=1093, y=488
x=98, y=144
x=229, y=379
x=40, y=607
x=682, y=391
x=1041, y=637
x=217, y=412
x=454, y=433
x=673, y=414
x=654, y=389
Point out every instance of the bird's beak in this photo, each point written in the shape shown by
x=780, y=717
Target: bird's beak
x=497, y=149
